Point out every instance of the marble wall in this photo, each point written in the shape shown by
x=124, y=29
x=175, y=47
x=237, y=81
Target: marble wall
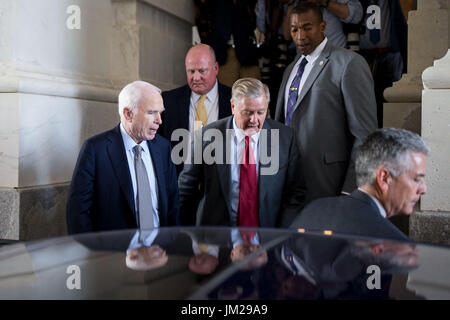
x=150, y=44
x=426, y=112
x=59, y=86
x=428, y=40
x=432, y=223
x=42, y=143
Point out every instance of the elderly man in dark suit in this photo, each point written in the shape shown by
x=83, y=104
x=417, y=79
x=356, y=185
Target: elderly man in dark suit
x=124, y=178
x=327, y=97
x=202, y=101
x=390, y=171
x=249, y=170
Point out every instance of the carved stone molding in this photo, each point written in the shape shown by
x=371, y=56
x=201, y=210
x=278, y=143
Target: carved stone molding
x=438, y=76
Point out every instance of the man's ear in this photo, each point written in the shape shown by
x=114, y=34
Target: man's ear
x=127, y=113
x=232, y=106
x=216, y=68
x=383, y=179
x=323, y=26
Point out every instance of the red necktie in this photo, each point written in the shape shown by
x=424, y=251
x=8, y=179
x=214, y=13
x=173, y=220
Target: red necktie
x=248, y=210
x=247, y=235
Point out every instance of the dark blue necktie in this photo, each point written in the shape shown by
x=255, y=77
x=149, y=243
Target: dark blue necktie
x=374, y=34
x=293, y=91
x=289, y=257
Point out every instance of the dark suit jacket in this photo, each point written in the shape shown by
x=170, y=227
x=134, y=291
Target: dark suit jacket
x=332, y=265
x=172, y=241
x=335, y=111
x=101, y=193
x=176, y=115
x=235, y=18
x=355, y=214
x=280, y=194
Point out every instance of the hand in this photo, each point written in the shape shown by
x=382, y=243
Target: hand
x=260, y=37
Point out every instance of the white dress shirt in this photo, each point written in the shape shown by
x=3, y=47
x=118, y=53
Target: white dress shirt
x=311, y=58
x=129, y=144
x=237, y=149
x=236, y=238
x=148, y=236
x=211, y=249
x=211, y=105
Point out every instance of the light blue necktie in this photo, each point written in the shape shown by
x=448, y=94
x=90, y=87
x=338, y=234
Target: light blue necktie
x=144, y=195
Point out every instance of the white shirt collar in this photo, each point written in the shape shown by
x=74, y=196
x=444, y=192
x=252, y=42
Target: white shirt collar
x=377, y=202
x=312, y=57
x=241, y=136
x=236, y=238
x=148, y=236
x=211, y=95
x=128, y=141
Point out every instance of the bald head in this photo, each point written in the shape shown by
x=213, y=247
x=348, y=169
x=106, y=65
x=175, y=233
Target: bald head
x=201, y=68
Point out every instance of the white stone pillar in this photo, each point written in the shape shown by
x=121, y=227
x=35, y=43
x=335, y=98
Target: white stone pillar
x=59, y=86
x=151, y=38
x=432, y=224
x=428, y=40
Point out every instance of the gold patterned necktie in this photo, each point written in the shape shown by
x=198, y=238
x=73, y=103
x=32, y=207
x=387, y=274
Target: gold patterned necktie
x=201, y=111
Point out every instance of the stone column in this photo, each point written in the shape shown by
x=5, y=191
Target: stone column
x=428, y=40
x=432, y=223
x=151, y=38
x=59, y=86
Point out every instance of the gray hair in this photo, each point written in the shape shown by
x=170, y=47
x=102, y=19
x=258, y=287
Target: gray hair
x=388, y=148
x=131, y=95
x=248, y=88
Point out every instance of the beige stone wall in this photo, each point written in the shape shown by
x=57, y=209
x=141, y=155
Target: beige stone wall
x=59, y=86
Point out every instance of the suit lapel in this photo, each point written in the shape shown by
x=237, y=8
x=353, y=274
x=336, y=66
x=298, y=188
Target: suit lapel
x=224, y=104
x=319, y=65
x=185, y=103
x=279, y=112
x=223, y=170
x=158, y=168
x=117, y=155
x=262, y=184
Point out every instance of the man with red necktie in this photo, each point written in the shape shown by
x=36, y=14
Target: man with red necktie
x=240, y=187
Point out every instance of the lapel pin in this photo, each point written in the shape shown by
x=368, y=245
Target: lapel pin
x=321, y=63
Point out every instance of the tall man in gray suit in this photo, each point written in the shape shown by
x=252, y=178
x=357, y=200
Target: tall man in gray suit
x=327, y=97
x=247, y=164
x=390, y=171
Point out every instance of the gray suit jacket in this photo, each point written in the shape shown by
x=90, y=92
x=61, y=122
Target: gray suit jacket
x=335, y=111
x=281, y=195
x=355, y=214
